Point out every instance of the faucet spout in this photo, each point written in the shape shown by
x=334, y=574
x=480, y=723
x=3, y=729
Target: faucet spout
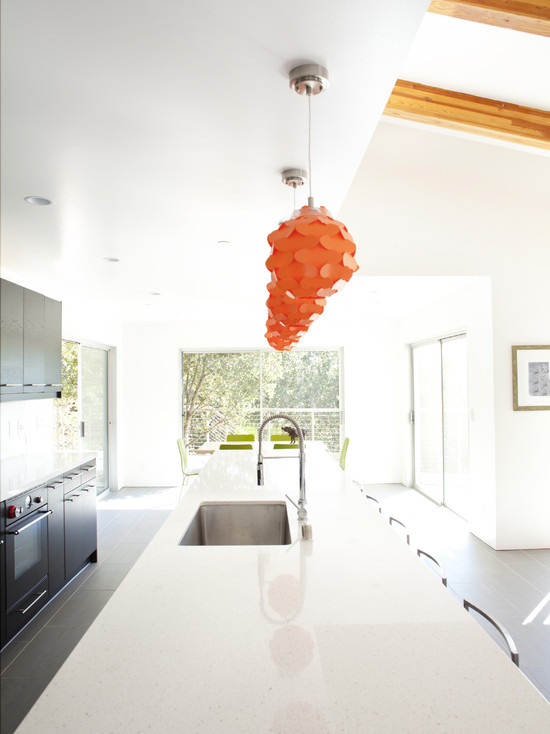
x=302, y=512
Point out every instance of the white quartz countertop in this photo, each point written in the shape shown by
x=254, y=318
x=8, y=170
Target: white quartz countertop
x=348, y=632
x=19, y=474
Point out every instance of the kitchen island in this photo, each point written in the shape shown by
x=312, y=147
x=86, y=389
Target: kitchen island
x=348, y=632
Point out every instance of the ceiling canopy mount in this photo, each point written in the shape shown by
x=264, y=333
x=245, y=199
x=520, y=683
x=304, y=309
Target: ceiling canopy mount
x=308, y=79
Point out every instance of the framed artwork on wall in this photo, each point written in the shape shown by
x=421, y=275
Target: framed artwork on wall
x=531, y=377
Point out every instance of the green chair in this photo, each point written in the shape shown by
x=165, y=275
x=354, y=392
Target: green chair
x=240, y=437
x=235, y=446
x=186, y=470
x=280, y=437
x=286, y=446
x=343, y=452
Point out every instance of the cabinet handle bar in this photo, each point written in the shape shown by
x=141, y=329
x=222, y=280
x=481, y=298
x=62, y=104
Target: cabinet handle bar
x=24, y=611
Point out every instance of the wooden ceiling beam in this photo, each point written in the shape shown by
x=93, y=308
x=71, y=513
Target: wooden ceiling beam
x=467, y=113
x=529, y=16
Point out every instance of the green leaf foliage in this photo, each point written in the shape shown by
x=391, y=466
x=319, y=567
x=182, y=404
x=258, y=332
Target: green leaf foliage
x=232, y=392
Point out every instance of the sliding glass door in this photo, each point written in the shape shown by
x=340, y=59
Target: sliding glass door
x=440, y=419
x=428, y=421
x=82, y=413
x=94, y=410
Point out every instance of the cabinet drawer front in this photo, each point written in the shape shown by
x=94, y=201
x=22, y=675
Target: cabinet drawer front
x=26, y=608
x=72, y=480
x=88, y=474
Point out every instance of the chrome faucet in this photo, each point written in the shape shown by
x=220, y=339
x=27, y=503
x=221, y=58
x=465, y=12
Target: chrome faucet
x=301, y=506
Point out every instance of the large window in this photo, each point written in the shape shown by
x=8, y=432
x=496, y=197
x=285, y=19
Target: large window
x=232, y=392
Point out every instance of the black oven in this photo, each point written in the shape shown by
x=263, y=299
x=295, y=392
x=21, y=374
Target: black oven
x=25, y=536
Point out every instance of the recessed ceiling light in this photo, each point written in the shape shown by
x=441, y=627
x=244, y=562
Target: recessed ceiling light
x=111, y=259
x=37, y=200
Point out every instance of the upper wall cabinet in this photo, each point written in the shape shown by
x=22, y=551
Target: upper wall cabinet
x=11, y=337
x=30, y=344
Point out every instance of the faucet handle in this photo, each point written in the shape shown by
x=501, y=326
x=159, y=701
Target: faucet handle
x=291, y=500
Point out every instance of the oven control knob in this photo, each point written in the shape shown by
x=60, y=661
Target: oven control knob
x=38, y=500
x=14, y=511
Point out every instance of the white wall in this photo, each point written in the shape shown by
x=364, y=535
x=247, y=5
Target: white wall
x=520, y=317
x=150, y=392
x=373, y=393
x=434, y=204
x=26, y=427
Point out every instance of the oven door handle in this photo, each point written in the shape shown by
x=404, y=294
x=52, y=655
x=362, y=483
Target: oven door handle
x=24, y=611
x=32, y=522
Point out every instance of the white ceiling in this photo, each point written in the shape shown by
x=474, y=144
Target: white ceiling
x=159, y=128
x=480, y=59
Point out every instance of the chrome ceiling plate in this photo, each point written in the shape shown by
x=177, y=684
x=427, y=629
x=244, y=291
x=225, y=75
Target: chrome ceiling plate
x=309, y=79
x=294, y=177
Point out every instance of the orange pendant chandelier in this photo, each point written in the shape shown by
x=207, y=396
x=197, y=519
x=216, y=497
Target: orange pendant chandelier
x=312, y=255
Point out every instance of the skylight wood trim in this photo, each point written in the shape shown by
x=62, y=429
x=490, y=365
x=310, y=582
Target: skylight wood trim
x=528, y=16
x=467, y=113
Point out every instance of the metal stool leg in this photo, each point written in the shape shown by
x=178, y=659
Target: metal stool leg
x=505, y=634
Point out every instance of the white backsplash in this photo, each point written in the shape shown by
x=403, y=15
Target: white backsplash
x=26, y=427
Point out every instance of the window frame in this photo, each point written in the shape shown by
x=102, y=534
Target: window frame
x=266, y=350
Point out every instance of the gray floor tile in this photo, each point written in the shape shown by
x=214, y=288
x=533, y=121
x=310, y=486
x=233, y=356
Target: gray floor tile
x=104, y=551
x=46, y=653
x=106, y=517
x=542, y=556
x=541, y=676
x=109, y=538
x=125, y=553
x=107, y=576
x=529, y=568
x=18, y=696
x=10, y=652
x=486, y=597
x=82, y=608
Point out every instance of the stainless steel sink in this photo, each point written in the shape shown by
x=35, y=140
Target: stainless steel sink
x=239, y=523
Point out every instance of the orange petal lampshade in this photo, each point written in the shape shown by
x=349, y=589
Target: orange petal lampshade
x=312, y=257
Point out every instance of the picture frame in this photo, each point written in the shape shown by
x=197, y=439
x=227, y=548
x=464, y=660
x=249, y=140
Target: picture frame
x=530, y=376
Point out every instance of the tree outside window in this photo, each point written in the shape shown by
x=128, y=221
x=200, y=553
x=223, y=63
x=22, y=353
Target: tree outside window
x=232, y=392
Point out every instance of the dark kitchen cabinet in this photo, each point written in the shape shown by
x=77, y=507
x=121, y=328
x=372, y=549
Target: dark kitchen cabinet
x=3, y=636
x=80, y=527
x=11, y=338
x=56, y=536
x=67, y=544
x=52, y=345
x=33, y=342
x=30, y=344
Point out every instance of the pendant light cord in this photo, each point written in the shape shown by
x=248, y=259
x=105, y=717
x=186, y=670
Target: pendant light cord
x=309, y=140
